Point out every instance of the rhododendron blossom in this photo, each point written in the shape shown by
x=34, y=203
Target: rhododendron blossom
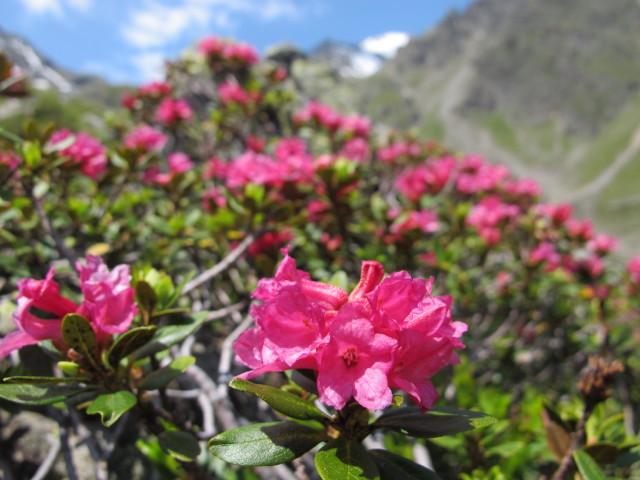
x=385, y=334
x=86, y=151
x=108, y=304
x=171, y=111
x=145, y=138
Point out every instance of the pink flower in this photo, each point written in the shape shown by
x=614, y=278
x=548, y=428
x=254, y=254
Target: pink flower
x=478, y=176
x=232, y=92
x=155, y=90
x=11, y=160
x=241, y=53
x=319, y=113
x=356, y=125
x=386, y=334
x=545, y=253
x=356, y=361
x=145, y=138
x=178, y=162
x=171, y=111
x=108, y=304
x=602, y=244
x=356, y=149
x=633, y=269
x=580, y=229
x=213, y=199
x=559, y=214
x=86, y=151
x=269, y=242
x=424, y=220
x=489, y=216
x=211, y=46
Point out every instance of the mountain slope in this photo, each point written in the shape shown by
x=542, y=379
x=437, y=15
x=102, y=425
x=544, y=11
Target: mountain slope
x=550, y=88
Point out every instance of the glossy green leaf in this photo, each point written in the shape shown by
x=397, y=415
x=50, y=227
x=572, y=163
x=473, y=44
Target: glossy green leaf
x=170, y=335
x=43, y=380
x=437, y=422
x=31, y=153
x=392, y=467
x=129, y=342
x=265, y=444
x=181, y=445
x=111, y=406
x=284, y=402
x=345, y=459
x=146, y=296
x=588, y=467
x=30, y=394
x=160, y=378
x=78, y=334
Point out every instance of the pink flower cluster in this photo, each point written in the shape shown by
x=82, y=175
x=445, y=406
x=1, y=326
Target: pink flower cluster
x=151, y=92
x=391, y=153
x=216, y=50
x=469, y=175
x=11, y=160
x=386, y=334
x=291, y=163
x=232, y=92
x=425, y=221
x=489, y=215
x=86, y=151
x=323, y=115
x=171, y=111
x=145, y=138
x=108, y=304
x=178, y=163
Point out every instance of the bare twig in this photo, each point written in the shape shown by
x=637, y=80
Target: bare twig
x=220, y=266
x=50, y=459
x=223, y=312
x=65, y=251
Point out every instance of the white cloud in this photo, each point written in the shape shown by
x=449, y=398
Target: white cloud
x=157, y=24
x=83, y=5
x=386, y=44
x=150, y=66
x=56, y=7
x=43, y=6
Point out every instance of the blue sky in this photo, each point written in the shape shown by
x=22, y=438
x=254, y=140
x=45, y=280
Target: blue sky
x=127, y=40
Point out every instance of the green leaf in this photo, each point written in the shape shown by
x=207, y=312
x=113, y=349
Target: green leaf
x=30, y=394
x=587, y=466
x=170, y=335
x=392, y=467
x=43, y=380
x=146, y=296
x=40, y=189
x=438, y=422
x=31, y=153
x=111, y=406
x=603, y=452
x=284, y=402
x=129, y=342
x=78, y=334
x=160, y=378
x=265, y=444
x=70, y=368
x=345, y=459
x=181, y=445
